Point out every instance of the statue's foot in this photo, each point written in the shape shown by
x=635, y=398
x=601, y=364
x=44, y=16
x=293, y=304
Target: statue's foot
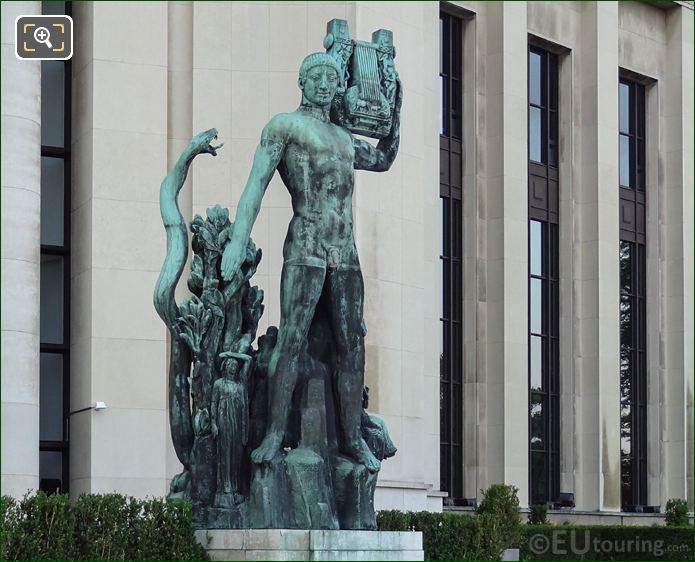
x=359, y=450
x=267, y=450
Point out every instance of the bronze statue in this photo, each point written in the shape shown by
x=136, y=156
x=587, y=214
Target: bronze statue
x=276, y=437
x=316, y=159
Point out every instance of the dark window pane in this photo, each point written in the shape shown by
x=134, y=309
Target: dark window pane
x=441, y=45
x=624, y=95
x=51, y=397
x=625, y=161
x=535, y=134
x=641, y=269
x=446, y=59
x=52, y=197
x=641, y=164
x=456, y=228
x=539, y=477
x=552, y=138
x=554, y=305
x=53, y=103
x=536, y=363
x=52, y=8
x=444, y=412
x=456, y=44
x=552, y=81
x=52, y=296
x=444, y=214
x=536, y=305
x=51, y=471
x=457, y=284
x=536, y=253
x=554, y=251
x=640, y=110
x=446, y=296
x=534, y=78
x=456, y=102
x=456, y=425
x=443, y=100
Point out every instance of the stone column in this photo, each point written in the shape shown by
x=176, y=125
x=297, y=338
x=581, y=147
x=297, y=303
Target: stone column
x=502, y=323
x=179, y=131
x=120, y=142
x=21, y=253
x=676, y=113
x=597, y=375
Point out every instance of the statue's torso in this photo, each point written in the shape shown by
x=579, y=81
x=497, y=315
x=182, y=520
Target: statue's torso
x=317, y=169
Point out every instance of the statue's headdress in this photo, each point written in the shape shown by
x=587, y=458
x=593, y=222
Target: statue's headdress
x=318, y=59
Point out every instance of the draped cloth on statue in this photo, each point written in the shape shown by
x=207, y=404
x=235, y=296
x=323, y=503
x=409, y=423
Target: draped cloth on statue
x=233, y=426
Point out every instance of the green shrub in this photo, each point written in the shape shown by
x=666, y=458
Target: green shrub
x=97, y=527
x=603, y=542
x=538, y=514
x=499, y=524
x=445, y=536
x=677, y=513
x=38, y=527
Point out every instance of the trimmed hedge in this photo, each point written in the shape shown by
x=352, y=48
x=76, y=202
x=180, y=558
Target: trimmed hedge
x=603, y=542
x=449, y=536
x=445, y=536
x=97, y=527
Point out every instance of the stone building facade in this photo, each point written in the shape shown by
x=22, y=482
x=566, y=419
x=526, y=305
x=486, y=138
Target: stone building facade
x=146, y=76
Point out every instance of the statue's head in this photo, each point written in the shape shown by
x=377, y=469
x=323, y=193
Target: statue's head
x=231, y=367
x=319, y=77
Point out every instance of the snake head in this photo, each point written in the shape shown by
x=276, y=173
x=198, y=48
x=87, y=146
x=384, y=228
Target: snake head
x=202, y=143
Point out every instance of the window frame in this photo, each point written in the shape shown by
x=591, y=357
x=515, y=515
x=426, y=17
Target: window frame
x=451, y=257
x=632, y=225
x=543, y=208
x=64, y=252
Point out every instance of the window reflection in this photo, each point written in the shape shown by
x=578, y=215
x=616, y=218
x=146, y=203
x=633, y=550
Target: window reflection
x=625, y=161
x=536, y=363
x=534, y=78
x=624, y=102
x=537, y=424
x=536, y=306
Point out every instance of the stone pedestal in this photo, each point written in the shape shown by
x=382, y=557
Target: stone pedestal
x=294, y=544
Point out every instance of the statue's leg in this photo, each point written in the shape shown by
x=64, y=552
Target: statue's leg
x=300, y=290
x=346, y=296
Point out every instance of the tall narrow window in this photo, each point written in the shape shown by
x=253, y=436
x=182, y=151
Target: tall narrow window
x=450, y=186
x=54, y=389
x=633, y=321
x=543, y=288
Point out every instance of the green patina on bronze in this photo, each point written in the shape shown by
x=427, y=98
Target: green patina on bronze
x=278, y=436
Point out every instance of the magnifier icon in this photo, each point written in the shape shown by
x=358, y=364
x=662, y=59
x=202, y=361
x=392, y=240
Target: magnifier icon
x=42, y=35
